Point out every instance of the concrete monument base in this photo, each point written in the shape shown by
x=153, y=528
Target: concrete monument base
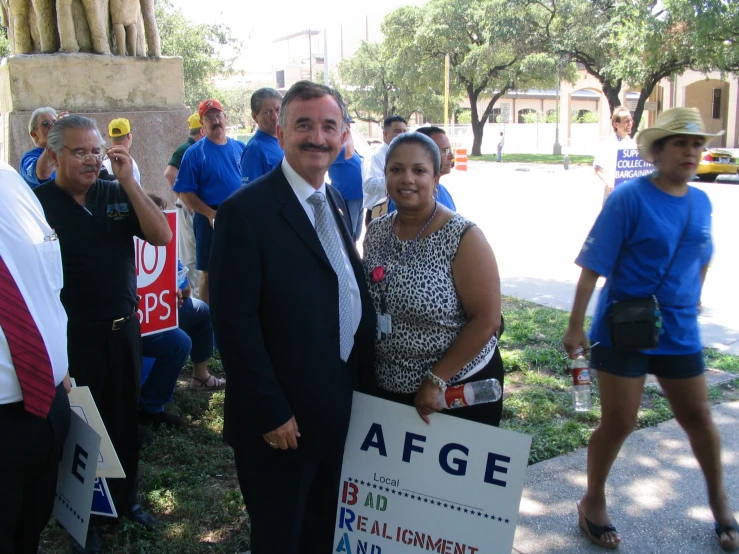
x=149, y=92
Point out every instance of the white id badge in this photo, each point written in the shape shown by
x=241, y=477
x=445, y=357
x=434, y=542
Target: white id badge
x=384, y=326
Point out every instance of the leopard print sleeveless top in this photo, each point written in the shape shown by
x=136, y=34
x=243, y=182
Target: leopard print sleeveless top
x=427, y=315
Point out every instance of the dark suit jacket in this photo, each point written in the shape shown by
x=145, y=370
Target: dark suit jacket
x=274, y=303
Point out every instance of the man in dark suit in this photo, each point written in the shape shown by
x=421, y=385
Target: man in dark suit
x=295, y=327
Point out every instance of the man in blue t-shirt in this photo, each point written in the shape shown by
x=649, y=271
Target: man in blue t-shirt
x=346, y=176
x=35, y=167
x=263, y=152
x=209, y=173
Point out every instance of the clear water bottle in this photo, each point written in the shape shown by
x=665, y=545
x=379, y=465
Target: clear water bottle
x=470, y=394
x=581, y=382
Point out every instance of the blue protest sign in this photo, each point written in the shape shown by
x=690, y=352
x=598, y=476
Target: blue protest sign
x=102, y=503
x=630, y=166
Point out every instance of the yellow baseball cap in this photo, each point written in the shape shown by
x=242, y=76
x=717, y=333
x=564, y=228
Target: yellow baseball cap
x=119, y=127
x=194, y=121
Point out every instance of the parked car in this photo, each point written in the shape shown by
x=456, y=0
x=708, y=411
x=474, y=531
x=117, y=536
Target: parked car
x=716, y=162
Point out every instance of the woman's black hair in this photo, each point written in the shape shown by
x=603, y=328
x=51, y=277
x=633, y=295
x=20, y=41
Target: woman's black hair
x=423, y=141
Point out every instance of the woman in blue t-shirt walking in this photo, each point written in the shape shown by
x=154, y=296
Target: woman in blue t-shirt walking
x=653, y=237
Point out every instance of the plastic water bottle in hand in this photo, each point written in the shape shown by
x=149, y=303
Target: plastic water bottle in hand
x=581, y=382
x=470, y=394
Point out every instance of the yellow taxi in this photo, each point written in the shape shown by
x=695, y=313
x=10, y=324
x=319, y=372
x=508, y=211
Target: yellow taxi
x=716, y=162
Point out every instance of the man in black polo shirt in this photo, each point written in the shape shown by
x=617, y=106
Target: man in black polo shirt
x=95, y=222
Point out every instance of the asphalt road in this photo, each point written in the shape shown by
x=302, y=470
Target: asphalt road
x=536, y=217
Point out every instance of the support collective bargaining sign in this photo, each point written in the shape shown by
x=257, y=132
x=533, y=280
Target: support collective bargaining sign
x=156, y=276
x=452, y=487
x=630, y=166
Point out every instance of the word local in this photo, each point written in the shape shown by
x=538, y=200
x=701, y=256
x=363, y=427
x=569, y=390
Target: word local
x=454, y=466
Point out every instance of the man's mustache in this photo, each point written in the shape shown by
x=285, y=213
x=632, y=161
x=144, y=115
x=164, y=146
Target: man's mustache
x=91, y=169
x=316, y=147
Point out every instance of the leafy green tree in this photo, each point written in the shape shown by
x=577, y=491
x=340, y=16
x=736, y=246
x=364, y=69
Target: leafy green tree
x=202, y=47
x=4, y=43
x=639, y=42
x=237, y=105
x=486, y=54
x=376, y=83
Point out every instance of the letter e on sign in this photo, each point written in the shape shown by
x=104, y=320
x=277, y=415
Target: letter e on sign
x=77, y=462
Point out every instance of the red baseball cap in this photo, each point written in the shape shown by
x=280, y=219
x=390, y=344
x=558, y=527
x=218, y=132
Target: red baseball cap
x=211, y=104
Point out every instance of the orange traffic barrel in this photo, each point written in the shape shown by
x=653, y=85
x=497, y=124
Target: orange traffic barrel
x=460, y=159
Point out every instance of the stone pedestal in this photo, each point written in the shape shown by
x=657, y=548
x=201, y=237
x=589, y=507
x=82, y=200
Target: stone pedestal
x=149, y=92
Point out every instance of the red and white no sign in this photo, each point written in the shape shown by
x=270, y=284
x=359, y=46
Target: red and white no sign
x=156, y=277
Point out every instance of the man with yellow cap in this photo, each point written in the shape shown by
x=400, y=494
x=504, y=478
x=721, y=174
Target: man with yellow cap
x=120, y=135
x=185, y=233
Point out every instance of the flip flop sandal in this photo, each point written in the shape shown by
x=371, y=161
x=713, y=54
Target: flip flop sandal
x=720, y=529
x=212, y=383
x=596, y=532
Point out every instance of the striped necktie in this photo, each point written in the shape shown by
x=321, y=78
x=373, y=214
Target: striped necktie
x=326, y=230
x=27, y=348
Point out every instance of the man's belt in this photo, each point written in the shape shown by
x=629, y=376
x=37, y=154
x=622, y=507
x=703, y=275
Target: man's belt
x=108, y=324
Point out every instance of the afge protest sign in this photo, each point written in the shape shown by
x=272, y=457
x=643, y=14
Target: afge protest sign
x=448, y=487
x=156, y=279
x=629, y=165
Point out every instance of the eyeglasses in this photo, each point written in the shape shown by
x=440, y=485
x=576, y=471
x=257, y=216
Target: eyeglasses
x=213, y=118
x=446, y=151
x=47, y=123
x=96, y=158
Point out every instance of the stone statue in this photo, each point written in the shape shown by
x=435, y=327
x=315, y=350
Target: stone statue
x=126, y=16
x=81, y=26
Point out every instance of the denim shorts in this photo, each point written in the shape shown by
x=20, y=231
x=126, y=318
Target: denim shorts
x=637, y=364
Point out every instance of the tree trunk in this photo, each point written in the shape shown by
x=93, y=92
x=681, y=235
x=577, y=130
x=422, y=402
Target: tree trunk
x=612, y=90
x=477, y=132
x=646, y=92
x=477, y=127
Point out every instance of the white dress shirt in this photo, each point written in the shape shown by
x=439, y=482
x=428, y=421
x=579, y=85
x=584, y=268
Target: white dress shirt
x=36, y=266
x=303, y=191
x=373, y=178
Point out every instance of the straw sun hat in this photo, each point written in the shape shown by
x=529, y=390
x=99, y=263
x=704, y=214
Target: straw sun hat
x=675, y=121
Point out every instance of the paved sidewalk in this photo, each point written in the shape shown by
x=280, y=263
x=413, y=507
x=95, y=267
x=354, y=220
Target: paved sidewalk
x=656, y=495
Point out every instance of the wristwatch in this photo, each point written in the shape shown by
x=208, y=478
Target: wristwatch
x=435, y=380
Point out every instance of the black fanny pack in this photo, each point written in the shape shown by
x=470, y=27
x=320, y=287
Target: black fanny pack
x=636, y=323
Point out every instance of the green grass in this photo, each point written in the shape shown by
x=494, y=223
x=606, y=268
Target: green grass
x=535, y=159
x=188, y=480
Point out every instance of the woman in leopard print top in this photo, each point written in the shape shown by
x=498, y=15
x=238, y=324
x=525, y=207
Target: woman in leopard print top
x=433, y=275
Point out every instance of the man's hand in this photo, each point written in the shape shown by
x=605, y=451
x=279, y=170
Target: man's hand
x=121, y=164
x=180, y=299
x=285, y=436
x=67, y=382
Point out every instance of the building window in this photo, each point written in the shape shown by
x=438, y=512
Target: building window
x=527, y=115
x=495, y=116
x=280, y=78
x=716, y=107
